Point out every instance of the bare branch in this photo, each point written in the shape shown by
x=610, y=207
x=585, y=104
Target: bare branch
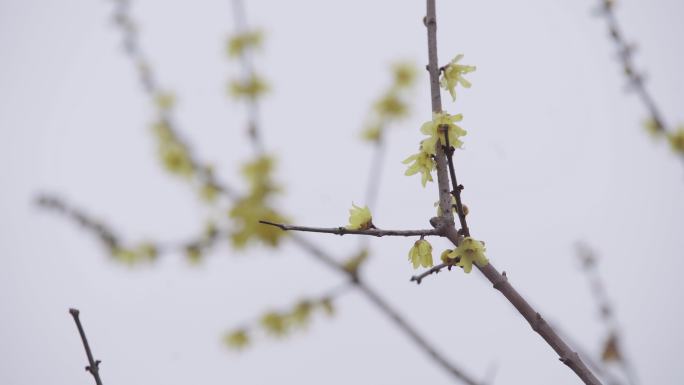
x=433, y=270
x=344, y=231
x=93, y=365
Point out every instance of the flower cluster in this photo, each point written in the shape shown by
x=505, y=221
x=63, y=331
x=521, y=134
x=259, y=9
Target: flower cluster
x=238, y=44
x=469, y=251
x=442, y=124
x=249, y=210
x=452, y=75
x=281, y=323
x=173, y=153
x=392, y=105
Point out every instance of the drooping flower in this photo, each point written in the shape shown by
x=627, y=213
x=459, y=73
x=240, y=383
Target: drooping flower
x=423, y=164
x=360, y=218
x=352, y=264
x=452, y=75
x=421, y=254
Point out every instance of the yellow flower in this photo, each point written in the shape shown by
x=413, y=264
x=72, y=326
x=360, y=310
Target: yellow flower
x=147, y=251
x=391, y=106
x=247, y=213
x=238, y=43
x=301, y=313
x=653, y=127
x=194, y=253
x=423, y=164
x=250, y=88
x=433, y=129
x=404, y=74
x=421, y=254
x=453, y=75
x=237, y=339
x=676, y=140
x=372, y=133
x=448, y=257
x=470, y=251
x=360, y=218
x=165, y=100
x=274, y=323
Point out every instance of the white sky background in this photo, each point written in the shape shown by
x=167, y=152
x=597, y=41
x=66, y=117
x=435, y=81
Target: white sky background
x=555, y=153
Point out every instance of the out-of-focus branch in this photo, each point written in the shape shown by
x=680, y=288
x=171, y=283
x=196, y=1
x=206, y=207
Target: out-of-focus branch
x=93, y=365
x=375, y=232
x=625, y=50
x=281, y=322
x=612, y=350
x=131, y=254
x=253, y=126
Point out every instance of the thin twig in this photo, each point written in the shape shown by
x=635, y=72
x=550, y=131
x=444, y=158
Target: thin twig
x=418, y=278
x=500, y=281
x=93, y=365
x=112, y=241
x=375, y=232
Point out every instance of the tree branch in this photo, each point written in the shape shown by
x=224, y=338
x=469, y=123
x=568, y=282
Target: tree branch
x=93, y=365
x=500, y=281
x=433, y=270
x=344, y=231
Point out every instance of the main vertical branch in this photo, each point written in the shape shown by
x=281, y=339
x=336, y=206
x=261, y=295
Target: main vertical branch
x=500, y=281
x=440, y=159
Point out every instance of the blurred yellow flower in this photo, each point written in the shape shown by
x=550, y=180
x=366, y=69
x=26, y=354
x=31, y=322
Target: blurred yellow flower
x=239, y=43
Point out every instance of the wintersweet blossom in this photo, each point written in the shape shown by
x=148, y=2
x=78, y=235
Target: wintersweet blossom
x=423, y=164
x=421, y=254
x=360, y=218
x=435, y=128
x=469, y=251
x=452, y=75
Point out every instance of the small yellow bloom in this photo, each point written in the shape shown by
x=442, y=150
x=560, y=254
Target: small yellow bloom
x=391, y=106
x=237, y=339
x=421, y=254
x=653, y=127
x=274, y=323
x=165, y=100
x=147, y=251
x=193, y=253
x=239, y=43
x=250, y=88
x=423, y=164
x=470, y=251
x=453, y=75
x=448, y=257
x=433, y=129
x=372, y=133
x=676, y=140
x=301, y=313
x=404, y=74
x=360, y=218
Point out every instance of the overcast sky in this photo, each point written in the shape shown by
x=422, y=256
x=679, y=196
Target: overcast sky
x=555, y=153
